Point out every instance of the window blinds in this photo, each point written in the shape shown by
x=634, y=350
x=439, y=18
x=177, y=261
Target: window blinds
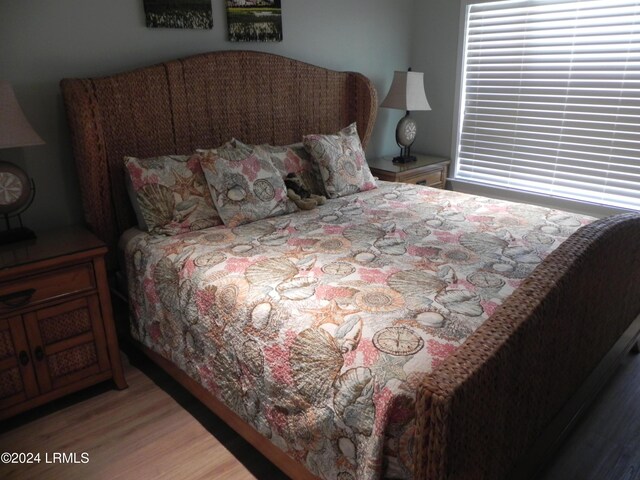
x=550, y=98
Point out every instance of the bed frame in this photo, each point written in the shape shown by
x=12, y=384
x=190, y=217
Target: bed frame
x=521, y=378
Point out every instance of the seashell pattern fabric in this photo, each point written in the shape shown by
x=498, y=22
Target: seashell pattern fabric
x=293, y=158
x=317, y=327
x=343, y=167
x=171, y=194
x=244, y=184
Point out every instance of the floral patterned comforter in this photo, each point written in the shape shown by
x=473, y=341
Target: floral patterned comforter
x=317, y=327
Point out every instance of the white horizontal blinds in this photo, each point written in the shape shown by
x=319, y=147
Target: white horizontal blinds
x=551, y=98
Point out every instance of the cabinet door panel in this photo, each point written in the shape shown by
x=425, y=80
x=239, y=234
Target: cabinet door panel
x=17, y=378
x=67, y=342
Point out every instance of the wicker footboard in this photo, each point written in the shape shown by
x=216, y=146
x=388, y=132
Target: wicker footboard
x=487, y=404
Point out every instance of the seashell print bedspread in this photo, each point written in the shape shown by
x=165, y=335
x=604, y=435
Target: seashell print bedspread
x=317, y=327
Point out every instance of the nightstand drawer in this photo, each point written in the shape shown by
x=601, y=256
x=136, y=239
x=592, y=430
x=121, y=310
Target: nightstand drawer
x=34, y=289
x=429, y=179
x=426, y=170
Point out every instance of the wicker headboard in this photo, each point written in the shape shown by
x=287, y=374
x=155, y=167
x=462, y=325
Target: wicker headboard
x=199, y=102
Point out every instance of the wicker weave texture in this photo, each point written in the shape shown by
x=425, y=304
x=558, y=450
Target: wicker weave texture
x=486, y=404
x=72, y=360
x=66, y=325
x=199, y=102
x=10, y=382
x=7, y=349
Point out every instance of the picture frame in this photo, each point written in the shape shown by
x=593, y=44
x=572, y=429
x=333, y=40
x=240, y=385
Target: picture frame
x=254, y=20
x=188, y=14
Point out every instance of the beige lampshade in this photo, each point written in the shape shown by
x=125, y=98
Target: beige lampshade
x=407, y=92
x=15, y=129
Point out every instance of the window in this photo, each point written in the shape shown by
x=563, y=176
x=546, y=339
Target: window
x=550, y=98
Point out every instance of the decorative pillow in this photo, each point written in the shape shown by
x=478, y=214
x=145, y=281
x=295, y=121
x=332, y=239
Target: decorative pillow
x=133, y=198
x=342, y=163
x=288, y=159
x=244, y=184
x=295, y=159
x=171, y=194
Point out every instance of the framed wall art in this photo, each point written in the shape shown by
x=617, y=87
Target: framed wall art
x=178, y=14
x=254, y=20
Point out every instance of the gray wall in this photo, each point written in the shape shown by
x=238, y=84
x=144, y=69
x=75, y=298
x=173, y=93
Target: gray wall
x=44, y=41
x=434, y=51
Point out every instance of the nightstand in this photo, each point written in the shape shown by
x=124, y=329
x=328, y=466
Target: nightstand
x=426, y=170
x=56, y=324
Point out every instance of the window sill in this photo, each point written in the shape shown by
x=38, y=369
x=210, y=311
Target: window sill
x=575, y=206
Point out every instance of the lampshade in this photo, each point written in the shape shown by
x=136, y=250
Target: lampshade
x=407, y=92
x=15, y=129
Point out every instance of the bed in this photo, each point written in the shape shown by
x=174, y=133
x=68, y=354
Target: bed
x=399, y=332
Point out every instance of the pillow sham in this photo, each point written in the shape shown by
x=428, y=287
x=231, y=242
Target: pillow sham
x=294, y=158
x=343, y=166
x=288, y=159
x=142, y=225
x=244, y=184
x=171, y=194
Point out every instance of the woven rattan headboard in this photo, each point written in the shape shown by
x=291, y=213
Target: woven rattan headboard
x=199, y=102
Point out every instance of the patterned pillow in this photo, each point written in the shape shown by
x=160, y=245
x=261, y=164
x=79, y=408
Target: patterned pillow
x=295, y=159
x=342, y=163
x=171, y=193
x=244, y=184
x=292, y=158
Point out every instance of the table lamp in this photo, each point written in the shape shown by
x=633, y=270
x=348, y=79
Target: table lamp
x=17, y=190
x=406, y=93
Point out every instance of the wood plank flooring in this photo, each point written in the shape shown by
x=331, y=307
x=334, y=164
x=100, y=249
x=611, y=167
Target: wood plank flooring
x=139, y=433
x=156, y=430
x=606, y=443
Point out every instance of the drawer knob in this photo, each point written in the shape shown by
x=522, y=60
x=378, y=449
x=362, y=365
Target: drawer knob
x=24, y=358
x=18, y=299
x=39, y=353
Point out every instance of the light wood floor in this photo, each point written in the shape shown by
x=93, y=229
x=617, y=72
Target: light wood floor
x=146, y=433
x=139, y=433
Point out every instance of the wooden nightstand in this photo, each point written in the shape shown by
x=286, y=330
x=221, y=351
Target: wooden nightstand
x=56, y=323
x=426, y=170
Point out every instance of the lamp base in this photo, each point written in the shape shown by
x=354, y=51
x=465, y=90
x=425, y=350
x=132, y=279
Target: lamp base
x=14, y=235
x=404, y=159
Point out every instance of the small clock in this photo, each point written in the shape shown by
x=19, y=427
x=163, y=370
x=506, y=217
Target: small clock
x=405, y=135
x=15, y=188
x=406, y=131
